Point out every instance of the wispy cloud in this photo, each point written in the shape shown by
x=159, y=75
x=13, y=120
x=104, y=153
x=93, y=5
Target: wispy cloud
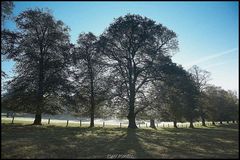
x=207, y=58
x=214, y=65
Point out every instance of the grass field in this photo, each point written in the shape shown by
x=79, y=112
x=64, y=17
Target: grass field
x=46, y=141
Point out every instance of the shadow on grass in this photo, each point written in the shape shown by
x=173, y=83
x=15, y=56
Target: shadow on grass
x=214, y=142
x=71, y=142
x=128, y=145
x=26, y=141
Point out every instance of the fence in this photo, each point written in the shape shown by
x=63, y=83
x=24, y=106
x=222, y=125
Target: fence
x=80, y=123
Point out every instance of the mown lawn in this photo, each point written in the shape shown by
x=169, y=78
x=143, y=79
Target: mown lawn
x=27, y=141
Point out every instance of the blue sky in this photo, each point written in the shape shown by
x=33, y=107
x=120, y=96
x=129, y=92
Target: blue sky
x=207, y=31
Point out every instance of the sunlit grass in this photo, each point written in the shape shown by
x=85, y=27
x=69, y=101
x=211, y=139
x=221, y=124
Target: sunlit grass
x=22, y=140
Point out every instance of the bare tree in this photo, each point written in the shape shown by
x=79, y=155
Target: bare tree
x=90, y=81
x=138, y=52
x=41, y=53
x=201, y=77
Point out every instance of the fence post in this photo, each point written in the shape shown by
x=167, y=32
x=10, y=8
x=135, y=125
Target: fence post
x=12, y=119
x=80, y=123
x=48, y=120
x=67, y=123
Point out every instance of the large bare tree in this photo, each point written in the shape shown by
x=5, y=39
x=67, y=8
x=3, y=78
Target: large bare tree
x=138, y=52
x=41, y=53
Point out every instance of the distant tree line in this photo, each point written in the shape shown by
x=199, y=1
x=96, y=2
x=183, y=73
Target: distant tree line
x=126, y=71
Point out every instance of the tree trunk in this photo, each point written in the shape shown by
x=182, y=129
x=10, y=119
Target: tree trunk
x=227, y=121
x=152, y=123
x=132, y=77
x=220, y=122
x=92, y=112
x=92, y=94
x=92, y=105
x=38, y=119
x=131, y=115
x=213, y=123
x=175, y=123
x=38, y=116
x=191, y=124
x=203, y=121
x=233, y=121
x=131, y=118
x=92, y=116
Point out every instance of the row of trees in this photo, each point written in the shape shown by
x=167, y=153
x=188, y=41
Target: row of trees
x=127, y=70
x=190, y=98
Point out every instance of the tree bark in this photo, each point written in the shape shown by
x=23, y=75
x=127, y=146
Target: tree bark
x=203, y=121
x=92, y=94
x=92, y=109
x=175, y=124
x=152, y=123
x=213, y=123
x=131, y=118
x=38, y=119
x=131, y=115
x=191, y=124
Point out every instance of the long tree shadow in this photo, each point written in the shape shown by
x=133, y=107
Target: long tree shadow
x=129, y=146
